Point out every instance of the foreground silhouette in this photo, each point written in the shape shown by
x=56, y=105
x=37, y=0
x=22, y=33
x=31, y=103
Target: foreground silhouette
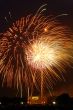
x=61, y=102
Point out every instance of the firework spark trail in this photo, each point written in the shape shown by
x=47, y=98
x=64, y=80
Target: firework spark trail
x=48, y=52
x=32, y=46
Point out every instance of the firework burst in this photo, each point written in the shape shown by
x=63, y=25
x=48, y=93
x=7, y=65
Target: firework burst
x=32, y=47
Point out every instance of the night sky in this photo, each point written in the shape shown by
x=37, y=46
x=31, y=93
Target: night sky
x=19, y=8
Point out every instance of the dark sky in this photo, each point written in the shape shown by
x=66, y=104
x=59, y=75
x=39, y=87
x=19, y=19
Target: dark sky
x=19, y=8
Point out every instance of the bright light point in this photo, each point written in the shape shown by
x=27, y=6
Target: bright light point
x=0, y=103
x=54, y=103
x=22, y=103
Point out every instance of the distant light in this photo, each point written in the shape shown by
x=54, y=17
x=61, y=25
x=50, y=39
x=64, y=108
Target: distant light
x=21, y=103
x=28, y=102
x=43, y=102
x=54, y=103
x=35, y=98
x=0, y=103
